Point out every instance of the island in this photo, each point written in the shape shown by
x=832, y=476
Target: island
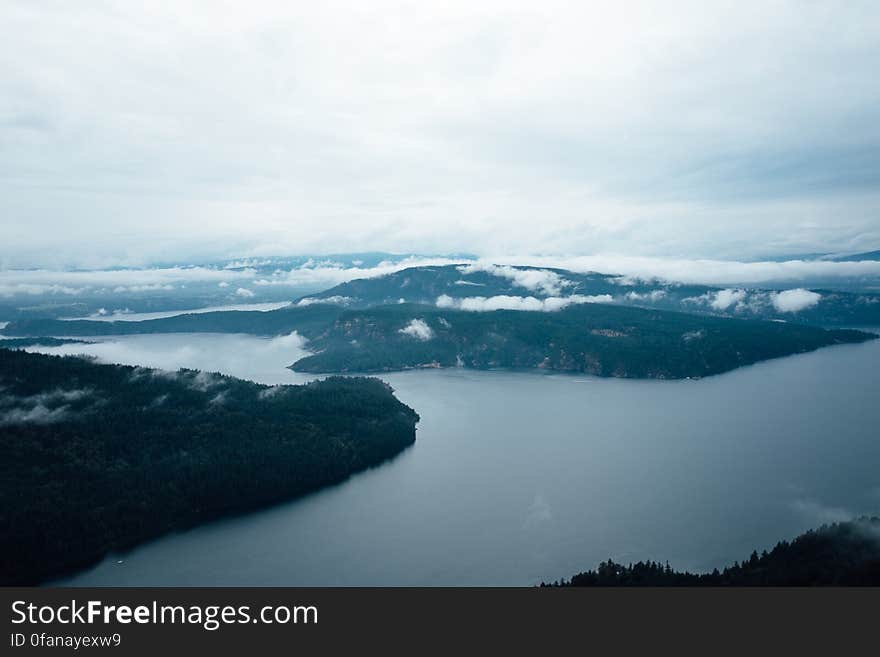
x=98, y=458
x=504, y=317
x=589, y=338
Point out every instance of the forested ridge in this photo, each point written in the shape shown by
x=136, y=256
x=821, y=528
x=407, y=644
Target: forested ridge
x=591, y=338
x=98, y=458
x=841, y=554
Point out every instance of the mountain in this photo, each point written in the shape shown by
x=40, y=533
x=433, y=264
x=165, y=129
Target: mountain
x=491, y=286
x=591, y=338
x=519, y=317
x=842, y=554
x=476, y=283
x=177, y=286
x=97, y=458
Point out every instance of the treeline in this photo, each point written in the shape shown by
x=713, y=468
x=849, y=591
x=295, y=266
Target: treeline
x=97, y=458
x=18, y=343
x=842, y=554
x=599, y=339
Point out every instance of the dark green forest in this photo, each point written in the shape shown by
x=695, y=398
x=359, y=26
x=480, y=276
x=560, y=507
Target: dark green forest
x=599, y=339
x=97, y=458
x=841, y=554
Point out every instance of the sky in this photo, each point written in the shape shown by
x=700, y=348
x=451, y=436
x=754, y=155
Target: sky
x=134, y=133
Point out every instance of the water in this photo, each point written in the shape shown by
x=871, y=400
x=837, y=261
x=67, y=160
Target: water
x=519, y=478
x=128, y=316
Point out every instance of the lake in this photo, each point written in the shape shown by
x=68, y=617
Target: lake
x=517, y=478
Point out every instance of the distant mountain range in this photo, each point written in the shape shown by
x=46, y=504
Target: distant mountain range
x=42, y=294
x=486, y=316
x=469, y=284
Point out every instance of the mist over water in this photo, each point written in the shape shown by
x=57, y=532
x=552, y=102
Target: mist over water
x=518, y=478
x=248, y=357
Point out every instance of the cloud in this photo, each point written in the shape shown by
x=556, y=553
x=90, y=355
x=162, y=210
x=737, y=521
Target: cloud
x=821, y=514
x=272, y=391
x=509, y=127
x=38, y=414
x=126, y=315
x=323, y=275
x=219, y=399
x=703, y=271
x=201, y=380
x=793, y=301
x=335, y=299
x=536, y=280
x=230, y=354
x=50, y=397
x=43, y=408
x=244, y=292
x=653, y=296
x=149, y=287
x=506, y=302
x=724, y=299
x=690, y=336
x=159, y=401
x=43, y=281
x=9, y=290
x=418, y=329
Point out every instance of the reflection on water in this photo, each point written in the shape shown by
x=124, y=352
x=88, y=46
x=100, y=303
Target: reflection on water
x=515, y=478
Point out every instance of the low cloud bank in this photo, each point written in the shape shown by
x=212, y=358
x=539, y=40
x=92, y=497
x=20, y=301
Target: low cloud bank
x=326, y=274
x=335, y=299
x=740, y=301
x=323, y=274
x=506, y=302
x=248, y=357
x=43, y=281
x=126, y=315
x=702, y=271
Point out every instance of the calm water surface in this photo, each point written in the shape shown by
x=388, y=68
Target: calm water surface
x=518, y=478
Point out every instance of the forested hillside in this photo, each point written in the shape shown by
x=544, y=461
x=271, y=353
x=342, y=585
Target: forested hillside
x=842, y=554
x=598, y=339
x=97, y=458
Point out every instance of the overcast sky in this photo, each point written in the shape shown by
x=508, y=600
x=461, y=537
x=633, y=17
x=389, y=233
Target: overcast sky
x=135, y=132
